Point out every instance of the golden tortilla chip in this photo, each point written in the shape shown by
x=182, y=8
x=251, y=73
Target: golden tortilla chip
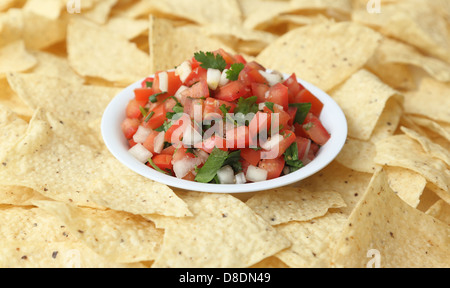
x=15, y=58
x=430, y=100
x=54, y=154
x=19, y=196
x=111, y=56
x=327, y=54
x=407, y=184
x=129, y=28
x=10, y=100
x=224, y=232
x=358, y=155
x=363, y=92
x=441, y=129
x=312, y=241
x=401, y=235
x=270, y=262
x=440, y=210
x=47, y=8
x=402, y=151
x=118, y=236
x=170, y=46
x=99, y=13
x=349, y=183
x=280, y=206
x=40, y=32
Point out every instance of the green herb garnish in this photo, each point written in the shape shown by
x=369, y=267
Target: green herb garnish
x=150, y=161
x=235, y=70
x=270, y=106
x=302, y=111
x=215, y=161
x=291, y=158
x=154, y=97
x=209, y=60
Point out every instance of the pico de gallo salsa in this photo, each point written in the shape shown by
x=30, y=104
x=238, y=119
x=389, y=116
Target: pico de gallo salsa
x=175, y=122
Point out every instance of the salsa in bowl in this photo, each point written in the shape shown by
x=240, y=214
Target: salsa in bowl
x=217, y=123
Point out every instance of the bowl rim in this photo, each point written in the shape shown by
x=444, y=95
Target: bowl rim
x=332, y=117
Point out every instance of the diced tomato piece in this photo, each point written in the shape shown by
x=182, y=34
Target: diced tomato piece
x=189, y=177
x=163, y=162
x=194, y=63
x=259, y=90
x=149, y=143
x=168, y=151
x=175, y=132
x=181, y=153
x=196, y=75
x=251, y=156
x=259, y=124
x=193, y=106
x=315, y=130
x=149, y=80
x=306, y=96
x=302, y=146
x=169, y=104
x=129, y=127
x=197, y=91
x=232, y=91
x=226, y=56
x=278, y=94
x=133, y=109
x=240, y=59
x=250, y=74
x=315, y=148
x=299, y=132
x=293, y=87
x=212, y=108
x=274, y=167
x=208, y=145
x=238, y=137
x=142, y=95
x=158, y=118
x=131, y=143
x=283, y=118
x=292, y=112
x=174, y=83
x=245, y=165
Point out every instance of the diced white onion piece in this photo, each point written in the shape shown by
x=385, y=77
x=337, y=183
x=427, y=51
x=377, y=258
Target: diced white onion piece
x=179, y=91
x=184, y=70
x=226, y=175
x=305, y=159
x=272, y=142
x=191, y=137
x=223, y=78
x=201, y=155
x=182, y=167
x=213, y=78
x=255, y=174
x=163, y=81
x=159, y=142
x=240, y=178
x=140, y=153
x=141, y=134
x=271, y=78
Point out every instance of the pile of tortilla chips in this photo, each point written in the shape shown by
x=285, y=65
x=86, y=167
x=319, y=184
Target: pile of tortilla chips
x=66, y=202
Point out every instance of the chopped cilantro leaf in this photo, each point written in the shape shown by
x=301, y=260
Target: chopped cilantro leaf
x=149, y=84
x=215, y=161
x=149, y=116
x=209, y=60
x=291, y=158
x=143, y=111
x=246, y=106
x=302, y=111
x=270, y=106
x=235, y=69
x=150, y=161
x=154, y=97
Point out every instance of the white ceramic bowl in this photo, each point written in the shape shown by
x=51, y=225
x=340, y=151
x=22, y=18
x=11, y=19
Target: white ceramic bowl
x=332, y=118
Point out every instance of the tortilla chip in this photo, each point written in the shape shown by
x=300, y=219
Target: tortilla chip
x=40, y=32
x=389, y=120
x=441, y=211
x=111, y=56
x=441, y=129
x=363, y=92
x=404, y=236
x=6, y=4
x=11, y=26
x=239, y=238
x=327, y=55
x=170, y=46
x=349, y=183
x=15, y=58
x=202, y=11
x=61, y=152
x=402, y=151
x=54, y=66
x=270, y=262
x=50, y=9
x=392, y=51
x=398, y=76
x=280, y=206
x=129, y=28
x=434, y=105
x=428, y=199
x=311, y=241
x=433, y=149
x=358, y=155
x=408, y=185
x=10, y=100
x=118, y=236
x=19, y=196
x=100, y=12
x=54, y=93
x=413, y=22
